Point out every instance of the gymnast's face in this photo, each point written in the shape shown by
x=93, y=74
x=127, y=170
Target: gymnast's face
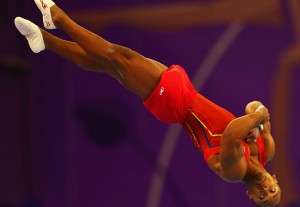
x=264, y=190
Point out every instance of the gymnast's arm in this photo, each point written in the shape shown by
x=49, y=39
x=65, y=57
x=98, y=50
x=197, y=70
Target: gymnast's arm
x=265, y=133
x=268, y=141
x=233, y=166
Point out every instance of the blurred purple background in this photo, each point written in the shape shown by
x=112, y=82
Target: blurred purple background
x=72, y=138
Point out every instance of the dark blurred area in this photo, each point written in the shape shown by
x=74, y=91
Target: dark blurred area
x=72, y=138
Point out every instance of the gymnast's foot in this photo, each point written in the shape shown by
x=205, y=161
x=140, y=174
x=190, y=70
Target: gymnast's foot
x=32, y=33
x=44, y=6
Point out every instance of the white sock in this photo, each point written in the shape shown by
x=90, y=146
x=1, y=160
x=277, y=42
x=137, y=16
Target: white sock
x=44, y=7
x=32, y=33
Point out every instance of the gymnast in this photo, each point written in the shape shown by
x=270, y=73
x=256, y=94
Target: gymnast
x=235, y=148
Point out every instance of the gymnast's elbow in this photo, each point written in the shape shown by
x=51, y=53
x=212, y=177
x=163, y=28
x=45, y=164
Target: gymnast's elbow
x=231, y=135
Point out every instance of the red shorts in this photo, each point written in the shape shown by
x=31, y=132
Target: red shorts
x=171, y=99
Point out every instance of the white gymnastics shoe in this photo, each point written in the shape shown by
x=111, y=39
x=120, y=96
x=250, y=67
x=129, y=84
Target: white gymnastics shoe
x=44, y=6
x=32, y=33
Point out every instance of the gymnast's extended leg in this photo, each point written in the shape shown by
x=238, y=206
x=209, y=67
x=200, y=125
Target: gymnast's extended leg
x=40, y=39
x=136, y=72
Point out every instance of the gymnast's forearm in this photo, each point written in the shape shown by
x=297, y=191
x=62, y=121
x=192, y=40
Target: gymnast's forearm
x=268, y=141
x=238, y=129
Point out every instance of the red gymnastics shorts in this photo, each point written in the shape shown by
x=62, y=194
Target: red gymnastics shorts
x=171, y=99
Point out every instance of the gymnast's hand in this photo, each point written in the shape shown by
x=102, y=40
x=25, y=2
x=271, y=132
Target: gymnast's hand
x=264, y=112
x=252, y=106
x=256, y=106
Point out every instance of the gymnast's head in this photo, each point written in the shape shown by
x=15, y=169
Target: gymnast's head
x=263, y=190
